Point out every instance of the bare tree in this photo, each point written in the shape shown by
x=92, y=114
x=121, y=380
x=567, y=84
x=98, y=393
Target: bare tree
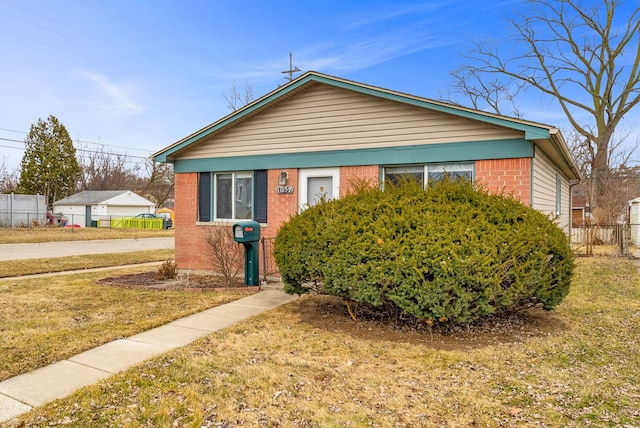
x=104, y=170
x=582, y=57
x=236, y=100
x=620, y=180
x=224, y=253
x=8, y=180
x=494, y=95
x=157, y=185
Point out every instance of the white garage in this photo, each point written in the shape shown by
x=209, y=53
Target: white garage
x=90, y=206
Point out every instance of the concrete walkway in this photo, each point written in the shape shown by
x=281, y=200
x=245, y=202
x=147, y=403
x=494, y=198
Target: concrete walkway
x=77, y=248
x=20, y=394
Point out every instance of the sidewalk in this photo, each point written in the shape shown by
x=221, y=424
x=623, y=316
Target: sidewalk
x=77, y=248
x=20, y=394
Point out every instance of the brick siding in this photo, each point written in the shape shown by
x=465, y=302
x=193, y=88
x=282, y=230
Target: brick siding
x=508, y=176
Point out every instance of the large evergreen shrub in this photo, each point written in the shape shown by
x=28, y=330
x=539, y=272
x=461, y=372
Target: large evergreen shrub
x=452, y=254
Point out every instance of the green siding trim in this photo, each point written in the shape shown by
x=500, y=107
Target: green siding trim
x=444, y=152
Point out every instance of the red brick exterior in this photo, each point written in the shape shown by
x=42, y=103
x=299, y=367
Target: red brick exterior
x=511, y=176
x=353, y=175
x=280, y=206
x=190, y=249
x=508, y=176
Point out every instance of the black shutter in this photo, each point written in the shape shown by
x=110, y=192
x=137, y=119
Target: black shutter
x=204, y=196
x=260, y=196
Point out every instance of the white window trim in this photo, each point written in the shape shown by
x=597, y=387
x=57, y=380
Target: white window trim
x=233, y=196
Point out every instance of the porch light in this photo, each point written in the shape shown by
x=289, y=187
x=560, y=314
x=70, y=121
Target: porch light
x=282, y=179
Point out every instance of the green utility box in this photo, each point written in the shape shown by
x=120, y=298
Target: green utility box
x=248, y=234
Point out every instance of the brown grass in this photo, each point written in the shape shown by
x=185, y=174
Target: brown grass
x=49, y=234
x=308, y=365
x=49, y=319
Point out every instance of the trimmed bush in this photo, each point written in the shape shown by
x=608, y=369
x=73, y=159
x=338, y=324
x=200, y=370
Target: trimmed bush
x=452, y=254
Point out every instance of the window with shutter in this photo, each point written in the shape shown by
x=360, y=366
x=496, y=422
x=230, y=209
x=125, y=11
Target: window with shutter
x=238, y=195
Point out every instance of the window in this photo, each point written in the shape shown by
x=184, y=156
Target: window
x=232, y=196
x=433, y=172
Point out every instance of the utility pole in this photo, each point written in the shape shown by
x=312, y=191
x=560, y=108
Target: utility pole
x=291, y=70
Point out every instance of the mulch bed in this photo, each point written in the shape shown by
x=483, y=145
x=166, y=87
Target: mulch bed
x=193, y=283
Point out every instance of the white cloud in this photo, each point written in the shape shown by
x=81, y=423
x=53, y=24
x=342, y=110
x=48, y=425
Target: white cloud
x=113, y=97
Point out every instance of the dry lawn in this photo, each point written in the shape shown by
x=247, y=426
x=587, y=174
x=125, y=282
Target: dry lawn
x=50, y=234
x=48, y=319
x=308, y=365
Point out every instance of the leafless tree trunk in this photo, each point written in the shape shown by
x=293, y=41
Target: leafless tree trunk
x=583, y=57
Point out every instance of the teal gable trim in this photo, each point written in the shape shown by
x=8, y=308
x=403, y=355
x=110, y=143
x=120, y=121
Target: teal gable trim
x=445, y=152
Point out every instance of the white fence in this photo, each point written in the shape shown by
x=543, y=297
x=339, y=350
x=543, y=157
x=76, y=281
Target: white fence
x=22, y=210
x=612, y=239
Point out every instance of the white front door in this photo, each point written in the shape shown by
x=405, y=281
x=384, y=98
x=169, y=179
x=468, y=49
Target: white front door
x=317, y=184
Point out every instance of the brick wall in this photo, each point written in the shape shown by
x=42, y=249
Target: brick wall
x=353, y=175
x=280, y=206
x=191, y=251
x=511, y=176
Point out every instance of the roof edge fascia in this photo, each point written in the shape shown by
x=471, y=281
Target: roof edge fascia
x=559, y=143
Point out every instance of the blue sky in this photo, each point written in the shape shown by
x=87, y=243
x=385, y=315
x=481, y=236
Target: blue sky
x=136, y=76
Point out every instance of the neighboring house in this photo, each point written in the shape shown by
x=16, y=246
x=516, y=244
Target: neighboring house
x=317, y=134
x=87, y=206
x=580, y=213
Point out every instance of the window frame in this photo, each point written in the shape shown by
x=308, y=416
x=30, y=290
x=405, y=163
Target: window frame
x=255, y=197
x=235, y=176
x=471, y=167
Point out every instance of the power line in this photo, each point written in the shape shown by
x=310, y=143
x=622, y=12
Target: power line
x=97, y=37
x=58, y=48
x=83, y=141
x=78, y=149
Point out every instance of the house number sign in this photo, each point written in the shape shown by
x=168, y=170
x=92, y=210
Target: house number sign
x=284, y=189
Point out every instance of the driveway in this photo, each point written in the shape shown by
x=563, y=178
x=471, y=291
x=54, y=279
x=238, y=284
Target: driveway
x=44, y=250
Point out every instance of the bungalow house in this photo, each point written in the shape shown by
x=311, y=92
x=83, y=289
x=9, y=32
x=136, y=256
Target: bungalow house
x=313, y=136
x=89, y=206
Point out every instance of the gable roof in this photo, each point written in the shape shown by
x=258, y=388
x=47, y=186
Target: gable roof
x=95, y=197
x=547, y=137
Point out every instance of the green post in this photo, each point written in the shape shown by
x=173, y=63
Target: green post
x=251, y=263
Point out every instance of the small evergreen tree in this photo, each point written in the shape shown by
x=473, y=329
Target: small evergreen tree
x=49, y=165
